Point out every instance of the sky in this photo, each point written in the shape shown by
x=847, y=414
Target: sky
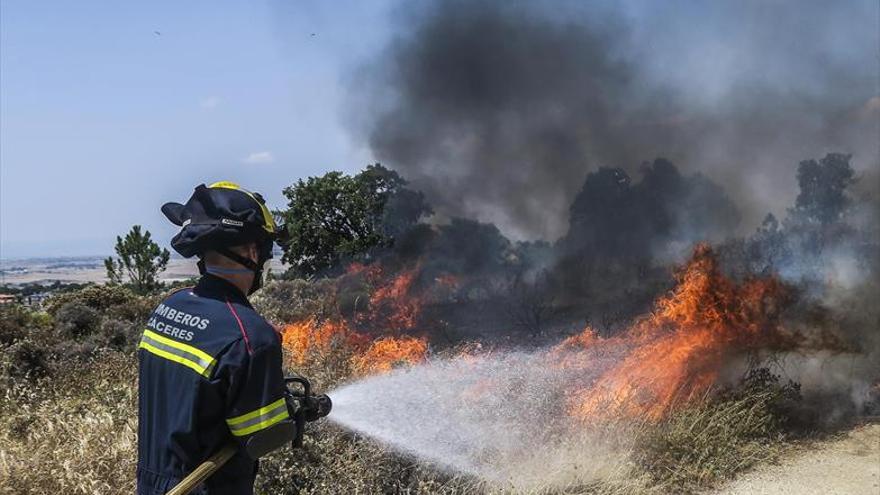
x=110, y=109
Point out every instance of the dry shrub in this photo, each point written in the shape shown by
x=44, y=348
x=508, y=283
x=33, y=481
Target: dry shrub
x=75, y=434
x=283, y=301
x=718, y=437
x=336, y=462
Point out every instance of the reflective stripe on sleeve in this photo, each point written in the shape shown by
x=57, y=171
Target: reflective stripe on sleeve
x=178, y=352
x=259, y=419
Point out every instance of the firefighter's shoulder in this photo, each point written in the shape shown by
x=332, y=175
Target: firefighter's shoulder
x=255, y=330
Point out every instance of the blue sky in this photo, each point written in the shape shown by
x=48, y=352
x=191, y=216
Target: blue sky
x=109, y=109
x=102, y=120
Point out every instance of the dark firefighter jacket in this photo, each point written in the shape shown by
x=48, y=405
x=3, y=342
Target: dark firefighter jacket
x=210, y=373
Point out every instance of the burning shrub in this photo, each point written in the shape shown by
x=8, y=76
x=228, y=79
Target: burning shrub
x=388, y=353
x=310, y=341
x=392, y=303
x=676, y=354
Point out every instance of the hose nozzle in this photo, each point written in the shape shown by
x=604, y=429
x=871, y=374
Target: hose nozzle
x=304, y=406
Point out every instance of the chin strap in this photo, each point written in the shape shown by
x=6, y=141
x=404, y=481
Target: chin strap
x=227, y=271
x=250, y=267
x=250, y=264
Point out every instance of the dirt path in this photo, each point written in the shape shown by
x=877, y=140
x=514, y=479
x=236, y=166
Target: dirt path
x=847, y=466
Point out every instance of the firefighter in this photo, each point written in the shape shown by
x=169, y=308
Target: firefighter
x=209, y=365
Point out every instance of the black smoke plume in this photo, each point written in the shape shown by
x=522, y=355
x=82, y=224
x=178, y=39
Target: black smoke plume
x=499, y=110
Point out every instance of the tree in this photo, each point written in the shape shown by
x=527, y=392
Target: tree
x=139, y=262
x=336, y=216
x=823, y=196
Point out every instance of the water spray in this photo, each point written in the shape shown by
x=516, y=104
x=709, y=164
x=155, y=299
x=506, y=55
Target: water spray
x=499, y=418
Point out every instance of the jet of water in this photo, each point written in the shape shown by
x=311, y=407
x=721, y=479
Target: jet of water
x=500, y=417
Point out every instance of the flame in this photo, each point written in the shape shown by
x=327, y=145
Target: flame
x=388, y=353
x=392, y=302
x=394, y=308
x=308, y=339
x=676, y=353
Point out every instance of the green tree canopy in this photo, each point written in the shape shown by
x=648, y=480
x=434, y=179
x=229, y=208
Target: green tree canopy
x=139, y=262
x=337, y=216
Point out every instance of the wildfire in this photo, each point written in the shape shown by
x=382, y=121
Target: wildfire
x=393, y=303
x=393, y=309
x=663, y=360
x=309, y=339
x=388, y=353
x=677, y=352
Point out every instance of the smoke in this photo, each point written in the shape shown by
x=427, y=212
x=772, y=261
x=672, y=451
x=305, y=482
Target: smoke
x=627, y=131
x=498, y=110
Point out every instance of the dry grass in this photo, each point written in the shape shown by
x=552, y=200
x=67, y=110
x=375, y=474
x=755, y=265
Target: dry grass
x=71, y=434
x=714, y=439
x=79, y=436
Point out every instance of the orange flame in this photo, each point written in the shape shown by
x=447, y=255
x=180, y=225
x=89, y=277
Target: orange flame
x=393, y=308
x=388, y=353
x=309, y=339
x=677, y=352
x=393, y=303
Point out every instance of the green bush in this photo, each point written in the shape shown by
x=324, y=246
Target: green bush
x=75, y=320
x=119, y=334
x=24, y=359
x=98, y=317
x=97, y=297
x=14, y=320
x=18, y=322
